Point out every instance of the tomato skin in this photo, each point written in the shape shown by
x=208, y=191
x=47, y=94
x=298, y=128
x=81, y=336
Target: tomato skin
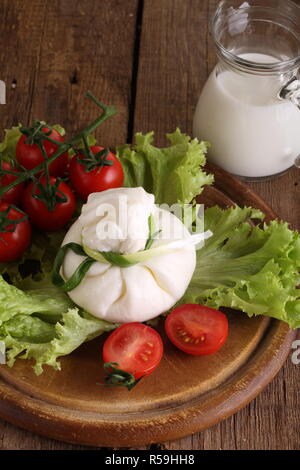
x=13, y=244
x=136, y=347
x=98, y=179
x=38, y=213
x=30, y=156
x=197, y=329
x=13, y=196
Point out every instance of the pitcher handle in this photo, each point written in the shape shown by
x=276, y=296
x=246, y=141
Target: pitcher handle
x=291, y=91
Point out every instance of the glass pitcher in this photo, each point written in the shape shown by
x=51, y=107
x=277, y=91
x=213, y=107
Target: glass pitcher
x=249, y=108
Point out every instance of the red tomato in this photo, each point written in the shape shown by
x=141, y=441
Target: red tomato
x=30, y=156
x=196, y=329
x=13, y=196
x=13, y=243
x=137, y=348
x=99, y=178
x=40, y=216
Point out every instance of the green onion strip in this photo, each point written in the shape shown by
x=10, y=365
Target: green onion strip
x=78, y=274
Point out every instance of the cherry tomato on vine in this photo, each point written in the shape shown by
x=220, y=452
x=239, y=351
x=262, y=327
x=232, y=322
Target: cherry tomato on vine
x=49, y=207
x=13, y=195
x=30, y=156
x=136, y=348
x=15, y=232
x=196, y=329
x=101, y=171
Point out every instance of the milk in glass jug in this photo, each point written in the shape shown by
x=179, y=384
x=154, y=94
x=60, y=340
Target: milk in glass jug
x=249, y=109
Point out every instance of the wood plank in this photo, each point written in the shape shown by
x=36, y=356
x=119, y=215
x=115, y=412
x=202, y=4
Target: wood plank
x=173, y=64
x=52, y=52
x=176, y=56
x=59, y=50
x=21, y=26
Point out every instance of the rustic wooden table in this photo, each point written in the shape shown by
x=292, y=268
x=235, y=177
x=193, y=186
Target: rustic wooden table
x=150, y=58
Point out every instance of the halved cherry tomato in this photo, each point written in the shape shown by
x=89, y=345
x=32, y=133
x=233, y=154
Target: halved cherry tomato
x=39, y=214
x=196, y=329
x=99, y=178
x=30, y=156
x=135, y=347
x=13, y=196
x=15, y=236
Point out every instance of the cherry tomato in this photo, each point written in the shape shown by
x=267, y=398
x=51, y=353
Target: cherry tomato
x=135, y=347
x=99, y=178
x=13, y=196
x=30, y=156
x=38, y=212
x=15, y=237
x=196, y=329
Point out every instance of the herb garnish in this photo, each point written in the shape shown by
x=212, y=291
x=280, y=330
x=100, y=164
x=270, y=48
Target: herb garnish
x=117, y=377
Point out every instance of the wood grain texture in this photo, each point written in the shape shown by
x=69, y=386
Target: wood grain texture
x=175, y=58
x=55, y=51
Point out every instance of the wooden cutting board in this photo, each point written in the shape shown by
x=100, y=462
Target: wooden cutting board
x=186, y=394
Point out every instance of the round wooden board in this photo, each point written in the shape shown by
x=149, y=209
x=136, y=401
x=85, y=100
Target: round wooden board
x=184, y=395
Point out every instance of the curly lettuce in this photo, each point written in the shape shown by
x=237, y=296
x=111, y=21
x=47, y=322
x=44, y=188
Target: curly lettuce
x=248, y=267
x=8, y=146
x=45, y=343
x=173, y=174
x=14, y=301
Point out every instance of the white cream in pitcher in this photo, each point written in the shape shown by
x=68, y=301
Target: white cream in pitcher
x=252, y=132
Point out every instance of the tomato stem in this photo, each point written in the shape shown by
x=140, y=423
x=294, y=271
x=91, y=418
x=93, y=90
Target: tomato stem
x=87, y=149
x=119, y=378
x=93, y=160
x=8, y=172
x=49, y=194
x=6, y=222
x=32, y=133
x=107, y=112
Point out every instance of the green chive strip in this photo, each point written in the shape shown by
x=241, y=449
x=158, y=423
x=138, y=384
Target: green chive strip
x=117, y=260
x=79, y=273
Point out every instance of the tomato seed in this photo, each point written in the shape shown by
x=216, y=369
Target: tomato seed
x=182, y=333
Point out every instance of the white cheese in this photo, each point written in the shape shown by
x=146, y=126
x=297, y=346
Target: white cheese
x=140, y=292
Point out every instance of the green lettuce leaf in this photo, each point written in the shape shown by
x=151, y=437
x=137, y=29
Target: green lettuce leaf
x=28, y=328
x=14, y=301
x=250, y=268
x=59, y=129
x=173, y=174
x=67, y=335
x=8, y=146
